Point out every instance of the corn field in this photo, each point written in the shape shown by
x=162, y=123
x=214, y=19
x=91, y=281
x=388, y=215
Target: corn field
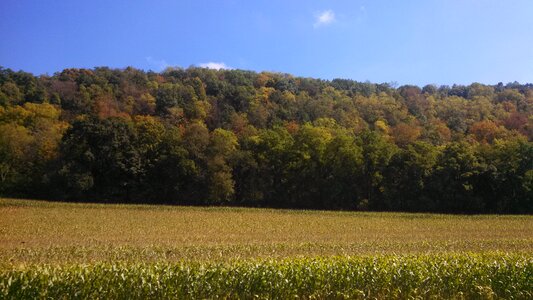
x=486, y=276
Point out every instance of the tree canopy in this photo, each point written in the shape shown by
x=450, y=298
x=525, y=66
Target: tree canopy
x=231, y=137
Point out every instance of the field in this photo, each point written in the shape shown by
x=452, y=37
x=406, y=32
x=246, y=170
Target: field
x=309, y=253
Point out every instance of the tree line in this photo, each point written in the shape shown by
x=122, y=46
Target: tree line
x=197, y=136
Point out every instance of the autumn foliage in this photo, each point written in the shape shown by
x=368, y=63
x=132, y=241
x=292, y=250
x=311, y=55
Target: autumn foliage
x=199, y=136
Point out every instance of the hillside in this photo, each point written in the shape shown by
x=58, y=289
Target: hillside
x=231, y=137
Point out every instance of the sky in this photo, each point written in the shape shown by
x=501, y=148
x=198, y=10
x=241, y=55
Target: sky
x=404, y=42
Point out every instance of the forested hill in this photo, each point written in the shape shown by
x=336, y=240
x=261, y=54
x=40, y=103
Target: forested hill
x=231, y=137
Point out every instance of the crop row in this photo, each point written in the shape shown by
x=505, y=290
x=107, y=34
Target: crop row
x=391, y=276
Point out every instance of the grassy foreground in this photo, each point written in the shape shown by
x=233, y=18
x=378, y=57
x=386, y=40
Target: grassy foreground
x=55, y=250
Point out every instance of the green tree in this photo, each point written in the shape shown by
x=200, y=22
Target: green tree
x=407, y=177
x=99, y=158
x=307, y=169
x=222, y=147
x=172, y=176
x=455, y=181
x=15, y=161
x=271, y=150
x=377, y=152
x=343, y=164
x=506, y=183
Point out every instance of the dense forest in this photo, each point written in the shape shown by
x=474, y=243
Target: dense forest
x=198, y=136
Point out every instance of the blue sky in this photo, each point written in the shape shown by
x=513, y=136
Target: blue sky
x=408, y=42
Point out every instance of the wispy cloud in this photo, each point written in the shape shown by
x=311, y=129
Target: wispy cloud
x=215, y=65
x=324, y=18
x=361, y=16
x=157, y=64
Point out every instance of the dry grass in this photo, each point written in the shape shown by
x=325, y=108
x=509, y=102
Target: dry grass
x=36, y=231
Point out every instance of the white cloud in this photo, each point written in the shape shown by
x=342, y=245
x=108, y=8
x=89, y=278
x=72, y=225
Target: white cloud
x=215, y=65
x=324, y=18
x=159, y=65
